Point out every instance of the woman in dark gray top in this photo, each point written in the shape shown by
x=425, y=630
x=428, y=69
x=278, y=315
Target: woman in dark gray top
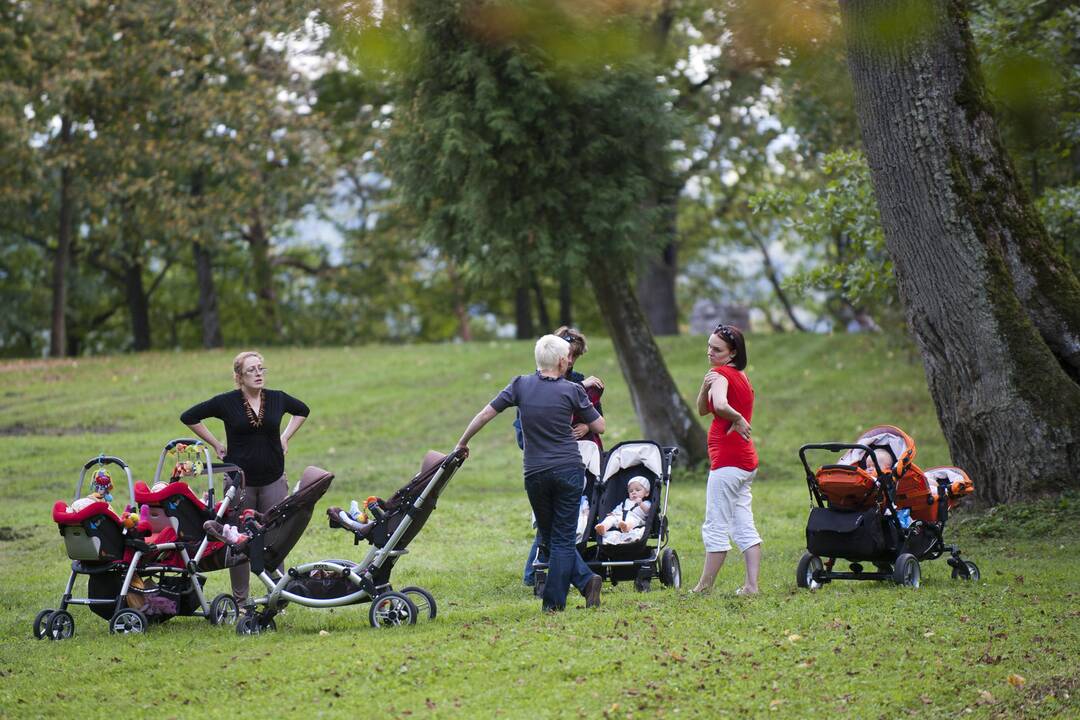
x=554, y=474
x=252, y=415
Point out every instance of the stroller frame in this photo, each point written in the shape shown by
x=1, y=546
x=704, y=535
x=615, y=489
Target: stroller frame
x=662, y=561
x=59, y=624
x=905, y=546
x=370, y=579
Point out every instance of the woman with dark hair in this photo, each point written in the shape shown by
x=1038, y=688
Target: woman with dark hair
x=727, y=395
x=256, y=443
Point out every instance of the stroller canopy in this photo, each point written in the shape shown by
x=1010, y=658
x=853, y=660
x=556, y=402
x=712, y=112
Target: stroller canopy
x=627, y=455
x=890, y=436
x=590, y=455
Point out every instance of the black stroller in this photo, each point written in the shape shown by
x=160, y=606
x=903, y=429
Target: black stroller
x=864, y=512
x=648, y=556
x=335, y=583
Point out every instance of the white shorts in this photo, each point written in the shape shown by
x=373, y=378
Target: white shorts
x=727, y=510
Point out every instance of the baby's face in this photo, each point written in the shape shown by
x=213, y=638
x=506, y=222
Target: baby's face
x=636, y=492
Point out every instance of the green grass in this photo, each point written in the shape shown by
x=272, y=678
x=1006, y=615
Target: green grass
x=853, y=649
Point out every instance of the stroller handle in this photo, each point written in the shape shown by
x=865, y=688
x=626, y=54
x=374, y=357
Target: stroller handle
x=200, y=446
x=105, y=460
x=837, y=447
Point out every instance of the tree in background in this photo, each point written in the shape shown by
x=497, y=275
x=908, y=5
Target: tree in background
x=513, y=159
x=990, y=300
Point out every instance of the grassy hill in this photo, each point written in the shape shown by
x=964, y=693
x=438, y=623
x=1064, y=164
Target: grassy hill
x=856, y=649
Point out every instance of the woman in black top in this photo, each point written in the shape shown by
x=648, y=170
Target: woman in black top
x=252, y=416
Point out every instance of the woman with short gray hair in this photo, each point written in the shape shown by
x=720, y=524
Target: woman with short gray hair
x=554, y=474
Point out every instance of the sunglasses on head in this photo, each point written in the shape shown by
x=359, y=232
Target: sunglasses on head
x=725, y=332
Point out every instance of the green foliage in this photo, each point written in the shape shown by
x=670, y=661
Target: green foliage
x=1060, y=210
x=1031, y=60
x=840, y=216
x=1057, y=517
x=510, y=162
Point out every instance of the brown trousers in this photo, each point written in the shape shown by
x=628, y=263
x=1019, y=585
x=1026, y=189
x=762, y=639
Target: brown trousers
x=261, y=499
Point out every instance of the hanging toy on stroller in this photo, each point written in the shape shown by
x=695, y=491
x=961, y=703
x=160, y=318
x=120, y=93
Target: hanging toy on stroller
x=875, y=505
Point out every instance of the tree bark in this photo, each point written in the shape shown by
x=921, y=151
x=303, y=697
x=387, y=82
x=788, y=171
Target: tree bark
x=208, y=301
x=523, y=313
x=656, y=291
x=662, y=412
x=58, y=337
x=460, y=309
x=566, y=298
x=541, y=306
x=972, y=260
x=138, y=306
x=264, y=277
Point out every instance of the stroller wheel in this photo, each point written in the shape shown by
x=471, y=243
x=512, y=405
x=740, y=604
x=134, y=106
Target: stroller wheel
x=391, y=609
x=670, y=572
x=252, y=624
x=41, y=623
x=223, y=610
x=60, y=625
x=970, y=572
x=539, y=583
x=643, y=581
x=809, y=565
x=128, y=620
x=423, y=600
x=907, y=571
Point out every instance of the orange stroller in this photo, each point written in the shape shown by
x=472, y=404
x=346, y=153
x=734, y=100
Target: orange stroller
x=876, y=505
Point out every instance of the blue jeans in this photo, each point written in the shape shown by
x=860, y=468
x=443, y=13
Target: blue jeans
x=555, y=496
x=529, y=578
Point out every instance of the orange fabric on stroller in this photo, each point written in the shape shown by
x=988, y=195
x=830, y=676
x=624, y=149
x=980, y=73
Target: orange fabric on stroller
x=851, y=483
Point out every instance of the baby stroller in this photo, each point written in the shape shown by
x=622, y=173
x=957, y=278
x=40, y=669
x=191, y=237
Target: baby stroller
x=889, y=513
x=649, y=556
x=335, y=583
x=176, y=510
x=118, y=561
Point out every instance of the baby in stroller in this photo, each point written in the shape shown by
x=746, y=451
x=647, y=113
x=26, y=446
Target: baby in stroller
x=626, y=521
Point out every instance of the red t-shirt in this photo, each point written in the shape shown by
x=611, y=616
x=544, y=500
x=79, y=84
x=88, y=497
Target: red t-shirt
x=730, y=449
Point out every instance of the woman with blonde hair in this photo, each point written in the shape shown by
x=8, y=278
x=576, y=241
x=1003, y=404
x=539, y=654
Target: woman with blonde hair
x=255, y=443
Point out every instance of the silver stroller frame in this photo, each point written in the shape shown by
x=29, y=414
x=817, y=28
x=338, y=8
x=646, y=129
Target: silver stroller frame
x=389, y=607
x=660, y=561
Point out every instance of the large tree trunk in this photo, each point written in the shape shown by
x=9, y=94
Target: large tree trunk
x=541, y=306
x=138, y=306
x=61, y=261
x=656, y=291
x=523, y=313
x=657, y=274
x=966, y=245
x=566, y=301
x=264, y=277
x=208, y=304
x=663, y=414
x=461, y=312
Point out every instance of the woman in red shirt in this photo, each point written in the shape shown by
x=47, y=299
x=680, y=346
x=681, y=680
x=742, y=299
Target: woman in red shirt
x=727, y=395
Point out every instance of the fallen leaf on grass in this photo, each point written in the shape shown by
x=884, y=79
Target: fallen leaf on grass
x=928, y=633
x=1016, y=680
x=775, y=704
x=324, y=633
x=794, y=637
x=985, y=698
x=926, y=700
